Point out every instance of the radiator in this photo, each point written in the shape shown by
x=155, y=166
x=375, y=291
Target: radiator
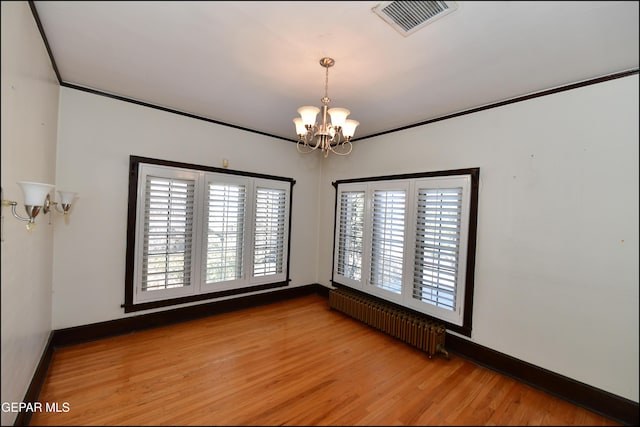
x=412, y=328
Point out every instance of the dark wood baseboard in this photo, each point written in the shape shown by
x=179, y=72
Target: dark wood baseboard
x=95, y=331
x=609, y=405
x=599, y=401
x=33, y=392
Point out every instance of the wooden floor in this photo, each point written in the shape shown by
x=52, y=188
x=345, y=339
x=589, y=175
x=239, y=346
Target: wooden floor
x=290, y=363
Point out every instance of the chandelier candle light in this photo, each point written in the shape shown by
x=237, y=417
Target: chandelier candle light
x=334, y=136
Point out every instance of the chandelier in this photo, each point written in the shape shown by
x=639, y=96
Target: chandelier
x=334, y=136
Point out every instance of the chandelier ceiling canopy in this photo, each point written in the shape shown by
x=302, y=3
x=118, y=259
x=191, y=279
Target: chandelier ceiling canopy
x=329, y=136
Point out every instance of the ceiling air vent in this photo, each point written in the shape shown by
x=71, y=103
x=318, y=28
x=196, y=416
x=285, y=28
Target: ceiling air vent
x=408, y=17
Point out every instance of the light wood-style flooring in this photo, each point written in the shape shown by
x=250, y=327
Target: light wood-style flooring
x=294, y=362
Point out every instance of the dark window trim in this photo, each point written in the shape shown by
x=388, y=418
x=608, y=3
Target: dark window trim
x=467, y=315
x=129, y=306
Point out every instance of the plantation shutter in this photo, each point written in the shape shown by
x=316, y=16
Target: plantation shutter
x=269, y=234
x=387, y=245
x=225, y=232
x=168, y=233
x=350, y=235
x=438, y=225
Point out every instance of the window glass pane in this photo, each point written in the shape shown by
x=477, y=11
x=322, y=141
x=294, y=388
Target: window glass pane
x=269, y=234
x=167, y=234
x=437, y=246
x=350, y=234
x=387, y=243
x=225, y=232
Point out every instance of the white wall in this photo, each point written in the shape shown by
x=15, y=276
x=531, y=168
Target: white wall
x=29, y=122
x=557, y=249
x=96, y=136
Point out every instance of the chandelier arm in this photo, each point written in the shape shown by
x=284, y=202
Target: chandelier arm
x=337, y=137
x=346, y=143
x=304, y=148
x=314, y=137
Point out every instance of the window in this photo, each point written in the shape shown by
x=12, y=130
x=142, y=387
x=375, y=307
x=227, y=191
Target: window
x=438, y=229
x=167, y=234
x=198, y=233
x=268, y=241
x=410, y=239
x=350, y=237
x=387, y=239
x=226, y=204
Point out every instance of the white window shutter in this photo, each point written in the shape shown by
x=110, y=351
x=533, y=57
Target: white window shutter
x=387, y=239
x=226, y=205
x=168, y=233
x=350, y=234
x=438, y=226
x=270, y=231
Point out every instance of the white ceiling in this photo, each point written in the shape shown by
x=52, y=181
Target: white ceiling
x=253, y=63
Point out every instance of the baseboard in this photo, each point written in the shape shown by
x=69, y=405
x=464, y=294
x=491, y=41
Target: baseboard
x=33, y=391
x=127, y=325
x=599, y=401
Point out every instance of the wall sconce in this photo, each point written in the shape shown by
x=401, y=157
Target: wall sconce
x=66, y=198
x=36, y=199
